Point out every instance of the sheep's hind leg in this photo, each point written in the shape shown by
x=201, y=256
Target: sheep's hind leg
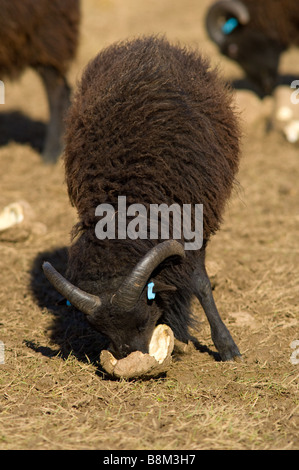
x=58, y=94
x=221, y=337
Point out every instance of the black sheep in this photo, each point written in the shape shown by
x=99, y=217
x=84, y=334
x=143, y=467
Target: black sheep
x=152, y=122
x=254, y=33
x=41, y=34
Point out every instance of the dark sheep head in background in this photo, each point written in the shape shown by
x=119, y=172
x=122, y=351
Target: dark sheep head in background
x=245, y=32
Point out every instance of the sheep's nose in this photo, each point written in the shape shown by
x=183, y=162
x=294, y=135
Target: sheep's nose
x=125, y=349
x=121, y=351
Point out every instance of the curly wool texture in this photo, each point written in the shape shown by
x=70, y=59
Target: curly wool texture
x=37, y=33
x=151, y=122
x=278, y=19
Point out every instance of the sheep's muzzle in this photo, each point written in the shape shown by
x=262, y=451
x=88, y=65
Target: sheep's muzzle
x=138, y=364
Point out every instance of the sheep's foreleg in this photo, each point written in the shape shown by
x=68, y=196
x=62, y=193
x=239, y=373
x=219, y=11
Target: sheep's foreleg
x=221, y=337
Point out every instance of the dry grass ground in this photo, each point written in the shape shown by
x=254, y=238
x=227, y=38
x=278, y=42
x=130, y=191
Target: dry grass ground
x=53, y=394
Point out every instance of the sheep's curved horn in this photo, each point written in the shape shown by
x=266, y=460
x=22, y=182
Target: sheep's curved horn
x=130, y=290
x=86, y=303
x=221, y=9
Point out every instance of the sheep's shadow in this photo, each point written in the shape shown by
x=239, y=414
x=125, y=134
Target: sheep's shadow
x=17, y=127
x=69, y=329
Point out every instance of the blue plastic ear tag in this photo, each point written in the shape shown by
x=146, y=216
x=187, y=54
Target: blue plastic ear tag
x=230, y=25
x=68, y=303
x=150, y=294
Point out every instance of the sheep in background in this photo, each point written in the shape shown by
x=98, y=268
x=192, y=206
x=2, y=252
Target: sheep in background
x=42, y=34
x=152, y=122
x=254, y=33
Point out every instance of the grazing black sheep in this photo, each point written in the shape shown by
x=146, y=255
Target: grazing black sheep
x=43, y=35
x=152, y=122
x=254, y=33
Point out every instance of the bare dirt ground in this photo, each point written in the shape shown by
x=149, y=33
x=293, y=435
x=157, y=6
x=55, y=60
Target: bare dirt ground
x=53, y=394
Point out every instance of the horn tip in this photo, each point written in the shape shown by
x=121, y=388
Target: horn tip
x=46, y=265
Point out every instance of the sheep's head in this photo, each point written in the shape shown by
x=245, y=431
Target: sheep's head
x=128, y=317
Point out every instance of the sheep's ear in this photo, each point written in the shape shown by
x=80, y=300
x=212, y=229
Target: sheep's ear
x=160, y=286
x=154, y=287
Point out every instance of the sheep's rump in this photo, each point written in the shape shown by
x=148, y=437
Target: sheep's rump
x=37, y=32
x=152, y=122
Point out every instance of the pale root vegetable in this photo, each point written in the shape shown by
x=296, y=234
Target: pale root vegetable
x=286, y=113
x=138, y=364
x=161, y=344
x=11, y=215
x=18, y=222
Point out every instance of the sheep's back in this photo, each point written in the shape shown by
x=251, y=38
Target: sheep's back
x=154, y=123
